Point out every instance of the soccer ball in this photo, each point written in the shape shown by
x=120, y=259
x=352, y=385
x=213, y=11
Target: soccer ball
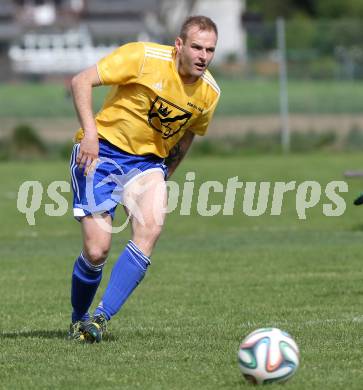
x=268, y=355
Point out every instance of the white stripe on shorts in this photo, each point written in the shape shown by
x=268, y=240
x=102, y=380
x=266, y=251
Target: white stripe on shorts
x=73, y=169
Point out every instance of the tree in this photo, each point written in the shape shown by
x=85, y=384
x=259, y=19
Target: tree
x=272, y=9
x=334, y=9
x=338, y=9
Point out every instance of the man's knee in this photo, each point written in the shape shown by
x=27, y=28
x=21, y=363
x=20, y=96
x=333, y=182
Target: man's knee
x=156, y=231
x=96, y=254
x=152, y=231
x=148, y=234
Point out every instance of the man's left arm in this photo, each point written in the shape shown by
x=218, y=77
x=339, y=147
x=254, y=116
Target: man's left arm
x=178, y=152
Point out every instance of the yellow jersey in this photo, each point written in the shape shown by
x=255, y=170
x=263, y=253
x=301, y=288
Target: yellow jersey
x=149, y=108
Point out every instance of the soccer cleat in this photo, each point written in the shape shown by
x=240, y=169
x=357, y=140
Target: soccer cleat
x=98, y=326
x=88, y=331
x=101, y=320
x=76, y=332
x=92, y=332
x=94, y=329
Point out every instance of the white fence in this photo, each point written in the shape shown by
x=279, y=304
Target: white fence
x=56, y=53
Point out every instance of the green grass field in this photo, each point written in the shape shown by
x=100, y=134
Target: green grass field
x=239, y=97
x=212, y=281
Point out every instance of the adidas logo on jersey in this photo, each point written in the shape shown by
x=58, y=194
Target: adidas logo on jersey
x=158, y=86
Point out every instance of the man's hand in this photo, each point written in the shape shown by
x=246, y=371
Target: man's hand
x=82, y=85
x=88, y=152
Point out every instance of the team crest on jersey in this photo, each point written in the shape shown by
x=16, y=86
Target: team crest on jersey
x=167, y=118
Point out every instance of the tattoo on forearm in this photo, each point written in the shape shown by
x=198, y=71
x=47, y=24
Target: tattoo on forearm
x=175, y=156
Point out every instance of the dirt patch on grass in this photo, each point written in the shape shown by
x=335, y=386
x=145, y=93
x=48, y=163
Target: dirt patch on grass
x=341, y=124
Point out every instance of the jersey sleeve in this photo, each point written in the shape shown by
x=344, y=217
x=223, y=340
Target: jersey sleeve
x=123, y=65
x=201, y=125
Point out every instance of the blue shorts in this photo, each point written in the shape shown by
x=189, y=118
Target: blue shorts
x=102, y=189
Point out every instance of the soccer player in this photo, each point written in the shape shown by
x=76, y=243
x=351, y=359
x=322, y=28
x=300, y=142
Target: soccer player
x=160, y=97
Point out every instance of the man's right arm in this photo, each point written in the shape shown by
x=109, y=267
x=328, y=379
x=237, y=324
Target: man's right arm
x=82, y=85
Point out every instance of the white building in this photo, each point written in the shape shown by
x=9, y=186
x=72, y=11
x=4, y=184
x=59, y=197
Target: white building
x=228, y=16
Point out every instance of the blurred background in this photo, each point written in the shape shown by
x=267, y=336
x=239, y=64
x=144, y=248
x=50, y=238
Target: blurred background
x=290, y=70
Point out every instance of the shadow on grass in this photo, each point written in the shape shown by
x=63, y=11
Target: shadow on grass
x=39, y=334
x=45, y=334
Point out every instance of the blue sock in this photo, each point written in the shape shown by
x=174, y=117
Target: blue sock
x=126, y=274
x=86, y=278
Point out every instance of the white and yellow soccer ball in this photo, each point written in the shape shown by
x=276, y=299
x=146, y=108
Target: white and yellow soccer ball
x=268, y=355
